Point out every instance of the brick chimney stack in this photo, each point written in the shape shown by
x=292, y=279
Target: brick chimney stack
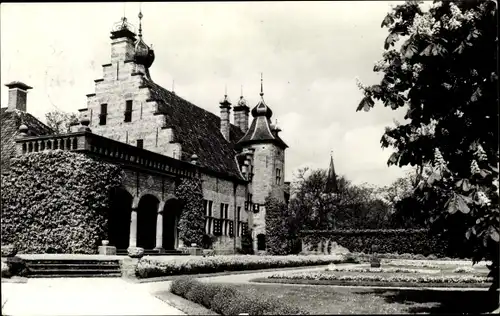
x=18, y=93
x=225, y=110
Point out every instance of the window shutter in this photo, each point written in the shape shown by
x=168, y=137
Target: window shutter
x=231, y=231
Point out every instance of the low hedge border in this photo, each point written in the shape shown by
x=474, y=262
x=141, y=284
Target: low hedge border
x=151, y=267
x=372, y=283
x=365, y=256
x=225, y=300
x=216, y=274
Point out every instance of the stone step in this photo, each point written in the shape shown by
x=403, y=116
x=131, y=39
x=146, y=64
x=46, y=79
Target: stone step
x=76, y=275
x=44, y=266
x=72, y=271
x=72, y=262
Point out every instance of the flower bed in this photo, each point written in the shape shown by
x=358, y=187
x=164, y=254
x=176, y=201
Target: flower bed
x=149, y=267
x=229, y=301
x=383, y=278
x=431, y=263
x=334, y=268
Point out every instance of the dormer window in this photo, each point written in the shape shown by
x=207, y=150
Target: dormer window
x=103, y=114
x=128, y=111
x=140, y=143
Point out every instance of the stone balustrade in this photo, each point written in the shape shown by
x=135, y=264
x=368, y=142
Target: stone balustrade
x=115, y=151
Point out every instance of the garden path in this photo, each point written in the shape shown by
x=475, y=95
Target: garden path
x=81, y=296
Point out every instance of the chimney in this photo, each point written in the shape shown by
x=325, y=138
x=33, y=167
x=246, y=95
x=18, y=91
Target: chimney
x=241, y=114
x=18, y=93
x=225, y=109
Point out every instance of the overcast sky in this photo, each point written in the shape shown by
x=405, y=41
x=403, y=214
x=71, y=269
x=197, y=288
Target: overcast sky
x=310, y=54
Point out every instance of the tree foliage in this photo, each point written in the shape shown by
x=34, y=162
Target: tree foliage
x=441, y=65
x=353, y=206
x=60, y=121
x=57, y=201
x=192, y=219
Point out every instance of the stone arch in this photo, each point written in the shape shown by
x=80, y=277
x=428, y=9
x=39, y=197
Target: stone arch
x=147, y=213
x=119, y=217
x=171, y=216
x=149, y=192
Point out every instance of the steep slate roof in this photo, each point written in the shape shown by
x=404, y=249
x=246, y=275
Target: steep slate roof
x=197, y=130
x=10, y=122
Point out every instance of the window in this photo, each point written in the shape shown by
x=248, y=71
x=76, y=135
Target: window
x=278, y=176
x=103, y=114
x=140, y=143
x=128, y=111
x=224, y=216
x=238, y=221
x=209, y=219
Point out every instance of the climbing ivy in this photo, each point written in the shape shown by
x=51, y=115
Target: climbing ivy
x=192, y=221
x=57, y=201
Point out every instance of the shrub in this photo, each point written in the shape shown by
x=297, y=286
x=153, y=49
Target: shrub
x=5, y=270
x=192, y=220
x=221, y=302
x=411, y=241
x=226, y=300
x=149, y=267
x=276, y=227
x=182, y=286
x=56, y=200
x=247, y=242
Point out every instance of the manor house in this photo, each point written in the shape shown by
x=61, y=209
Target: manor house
x=159, y=137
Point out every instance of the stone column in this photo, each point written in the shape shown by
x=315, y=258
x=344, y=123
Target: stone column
x=159, y=227
x=133, y=228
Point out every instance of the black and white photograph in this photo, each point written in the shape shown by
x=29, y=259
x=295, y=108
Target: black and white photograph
x=249, y=158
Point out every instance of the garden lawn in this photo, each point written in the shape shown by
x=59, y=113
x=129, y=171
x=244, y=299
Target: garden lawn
x=319, y=300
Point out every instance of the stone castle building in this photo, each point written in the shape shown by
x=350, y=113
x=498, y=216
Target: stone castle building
x=159, y=137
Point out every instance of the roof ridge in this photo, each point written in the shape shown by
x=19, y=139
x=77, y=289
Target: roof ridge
x=187, y=101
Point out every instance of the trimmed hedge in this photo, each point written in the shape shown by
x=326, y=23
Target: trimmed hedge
x=412, y=241
x=225, y=300
x=149, y=267
x=192, y=219
x=57, y=201
x=276, y=228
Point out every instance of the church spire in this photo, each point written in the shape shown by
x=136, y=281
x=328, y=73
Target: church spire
x=261, y=86
x=331, y=180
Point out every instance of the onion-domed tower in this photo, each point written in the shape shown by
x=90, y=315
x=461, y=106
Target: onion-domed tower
x=144, y=55
x=268, y=163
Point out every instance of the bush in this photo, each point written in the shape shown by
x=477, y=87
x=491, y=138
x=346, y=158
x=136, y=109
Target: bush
x=5, y=270
x=149, y=267
x=246, y=243
x=192, y=220
x=276, y=227
x=182, y=286
x=56, y=201
x=410, y=241
x=226, y=300
x=221, y=302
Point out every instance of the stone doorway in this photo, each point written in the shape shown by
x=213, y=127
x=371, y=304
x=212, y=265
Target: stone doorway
x=119, y=218
x=147, y=213
x=171, y=214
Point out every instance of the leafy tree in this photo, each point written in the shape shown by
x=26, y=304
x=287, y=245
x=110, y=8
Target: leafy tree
x=60, y=121
x=353, y=206
x=441, y=65
x=192, y=219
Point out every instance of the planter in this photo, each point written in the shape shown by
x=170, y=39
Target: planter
x=375, y=262
x=9, y=251
x=135, y=252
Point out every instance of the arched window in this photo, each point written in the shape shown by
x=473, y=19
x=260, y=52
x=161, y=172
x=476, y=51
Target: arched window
x=261, y=242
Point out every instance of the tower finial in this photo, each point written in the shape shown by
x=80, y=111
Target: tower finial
x=173, y=86
x=241, y=91
x=140, y=19
x=261, y=85
x=225, y=90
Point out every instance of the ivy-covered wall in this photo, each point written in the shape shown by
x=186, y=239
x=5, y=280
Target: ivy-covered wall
x=412, y=241
x=57, y=201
